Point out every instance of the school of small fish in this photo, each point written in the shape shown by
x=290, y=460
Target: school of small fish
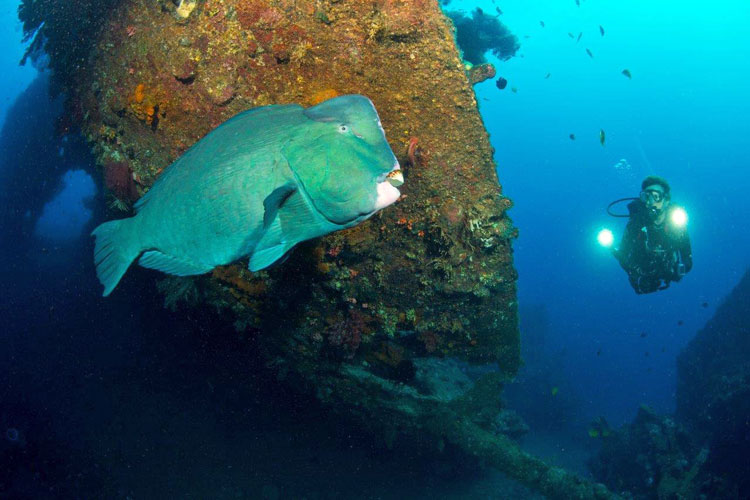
x=503, y=82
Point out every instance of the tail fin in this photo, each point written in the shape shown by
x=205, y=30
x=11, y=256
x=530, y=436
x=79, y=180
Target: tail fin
x=114, y=251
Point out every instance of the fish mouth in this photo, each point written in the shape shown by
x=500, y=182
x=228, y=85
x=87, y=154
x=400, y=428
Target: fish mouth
x=387, y=183
x=395, y=177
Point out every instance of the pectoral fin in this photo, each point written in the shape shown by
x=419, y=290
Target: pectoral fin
x=300, y=221
x=274, y=201
x=288, y=219
x=270, y=248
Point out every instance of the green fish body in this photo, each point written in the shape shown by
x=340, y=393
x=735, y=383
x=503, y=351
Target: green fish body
x=255, y=186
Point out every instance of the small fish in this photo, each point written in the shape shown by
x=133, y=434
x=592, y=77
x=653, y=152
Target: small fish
x=571, y=35
x=599, y=352
x=542, y=23
x=704, y=305
x=499, y=12
x=680, y=323
x=555, y=390
x=647, y=354
x=601, y=30
x=256, y=186
x=643, y=335
x=626, y=72
x=514, y=90
x=578, y=3
x=572, y=137
x=501, y=83
x=579, y=37
x=547, y=76
x=589, y=53
x=602, y=137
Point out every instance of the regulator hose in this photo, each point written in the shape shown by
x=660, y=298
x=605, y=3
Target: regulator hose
x=609, y=207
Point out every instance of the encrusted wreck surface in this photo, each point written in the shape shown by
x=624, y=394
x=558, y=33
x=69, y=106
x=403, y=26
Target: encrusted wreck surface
x=701, y=451
x=436, y=267
x=351, y=316
x=713, y=394
x=437, y=264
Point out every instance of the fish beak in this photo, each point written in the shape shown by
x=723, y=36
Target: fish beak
x=395, y=178
x=386, y=187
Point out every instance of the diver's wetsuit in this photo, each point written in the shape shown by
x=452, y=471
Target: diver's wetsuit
x=653, y=255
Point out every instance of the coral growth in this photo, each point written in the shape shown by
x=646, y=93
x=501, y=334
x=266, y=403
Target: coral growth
x=118, y=178
x=146, y=106
x=64, y=32
x=480, y=33
x=430, y=340
x=322, y=95
x=654, y=457
x=345, y=332
x=480, y=73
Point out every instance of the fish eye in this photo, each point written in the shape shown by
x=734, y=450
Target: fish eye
x=343, y=129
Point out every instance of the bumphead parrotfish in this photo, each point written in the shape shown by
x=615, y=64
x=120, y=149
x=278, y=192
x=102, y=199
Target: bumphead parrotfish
x=257, y=185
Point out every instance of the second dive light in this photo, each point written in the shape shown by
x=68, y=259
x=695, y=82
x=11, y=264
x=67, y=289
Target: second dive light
x=605, y=238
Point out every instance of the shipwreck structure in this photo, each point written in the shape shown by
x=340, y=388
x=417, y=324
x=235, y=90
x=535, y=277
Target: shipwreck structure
x=366, y=319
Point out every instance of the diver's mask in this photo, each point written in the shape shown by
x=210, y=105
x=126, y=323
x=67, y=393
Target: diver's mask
x=652, y=197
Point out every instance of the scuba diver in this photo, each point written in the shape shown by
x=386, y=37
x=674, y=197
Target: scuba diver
x=655, y=247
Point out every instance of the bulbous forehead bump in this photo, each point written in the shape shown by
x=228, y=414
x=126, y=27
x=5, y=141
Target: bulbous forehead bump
x=346, y=108
x=355, y=111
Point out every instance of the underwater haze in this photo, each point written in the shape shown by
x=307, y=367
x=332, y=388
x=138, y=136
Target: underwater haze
x=684, y=115
x=73, y=366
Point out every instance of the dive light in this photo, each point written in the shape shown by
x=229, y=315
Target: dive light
x=605, y=238
x=678, y=217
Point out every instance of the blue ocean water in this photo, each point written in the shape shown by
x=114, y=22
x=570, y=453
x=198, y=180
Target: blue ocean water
x=15, y=77
x=683, y=115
